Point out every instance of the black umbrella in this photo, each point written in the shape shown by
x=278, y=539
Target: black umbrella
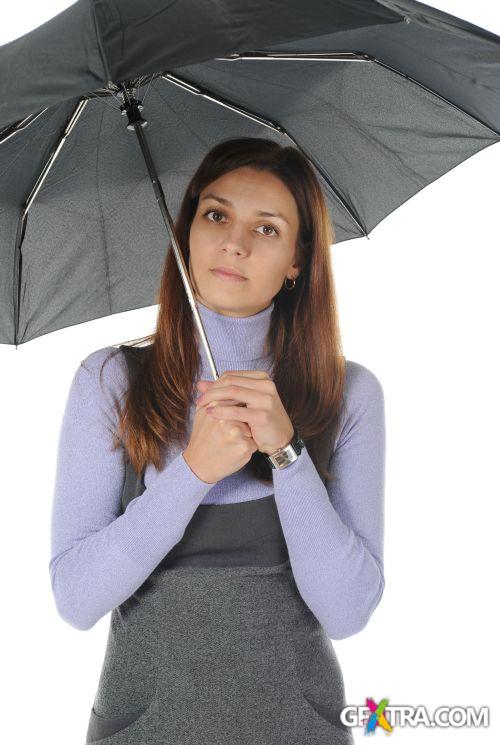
x=382, y=97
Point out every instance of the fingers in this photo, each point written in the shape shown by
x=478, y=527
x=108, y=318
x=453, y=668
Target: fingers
x=242, y=426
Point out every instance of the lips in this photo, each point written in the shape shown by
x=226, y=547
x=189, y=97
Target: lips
x=227, y=271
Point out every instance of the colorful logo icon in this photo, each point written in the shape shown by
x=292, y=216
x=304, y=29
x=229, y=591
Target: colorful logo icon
x=377, y=718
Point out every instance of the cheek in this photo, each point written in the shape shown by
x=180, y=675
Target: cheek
x=201, y=234
x=272, y=270
x=199, y=247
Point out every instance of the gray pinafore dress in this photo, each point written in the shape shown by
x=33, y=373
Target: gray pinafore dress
x=217, y=646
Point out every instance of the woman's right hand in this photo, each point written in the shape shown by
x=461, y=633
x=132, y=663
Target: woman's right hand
x=218, y=447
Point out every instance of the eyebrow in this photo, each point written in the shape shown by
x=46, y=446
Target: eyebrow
x=222, y=200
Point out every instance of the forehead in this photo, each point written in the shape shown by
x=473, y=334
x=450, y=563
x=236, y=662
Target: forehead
x=260, y=191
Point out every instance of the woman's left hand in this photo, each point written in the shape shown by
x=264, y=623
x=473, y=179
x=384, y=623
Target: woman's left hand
x=264, y=412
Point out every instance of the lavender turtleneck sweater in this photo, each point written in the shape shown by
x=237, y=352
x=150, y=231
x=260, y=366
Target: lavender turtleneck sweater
x=334, y=533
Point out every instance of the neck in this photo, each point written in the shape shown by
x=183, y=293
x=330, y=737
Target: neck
x=235, y=341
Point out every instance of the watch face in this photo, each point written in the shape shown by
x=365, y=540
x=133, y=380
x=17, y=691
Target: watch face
x=284, y=458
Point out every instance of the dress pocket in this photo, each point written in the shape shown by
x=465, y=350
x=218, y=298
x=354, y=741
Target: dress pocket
x=130, y=671
x=102, y=728
x=327, y=720
x=318, y=680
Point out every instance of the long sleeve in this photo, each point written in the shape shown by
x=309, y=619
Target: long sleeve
x=335, y=533
x=99, y=557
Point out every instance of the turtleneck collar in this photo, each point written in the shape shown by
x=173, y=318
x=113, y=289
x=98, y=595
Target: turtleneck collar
x=234, y=339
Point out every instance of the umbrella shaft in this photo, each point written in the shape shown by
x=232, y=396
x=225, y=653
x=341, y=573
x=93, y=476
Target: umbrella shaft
x=160, y=197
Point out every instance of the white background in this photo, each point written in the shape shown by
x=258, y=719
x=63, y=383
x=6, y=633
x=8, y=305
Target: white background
x=419, y=305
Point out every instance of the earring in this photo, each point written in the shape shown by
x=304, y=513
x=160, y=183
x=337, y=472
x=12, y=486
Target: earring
x=289, y=287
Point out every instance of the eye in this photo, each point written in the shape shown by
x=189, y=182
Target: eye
x=272, y=228
x=219, y=212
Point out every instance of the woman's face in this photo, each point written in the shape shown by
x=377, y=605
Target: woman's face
x=232, y=233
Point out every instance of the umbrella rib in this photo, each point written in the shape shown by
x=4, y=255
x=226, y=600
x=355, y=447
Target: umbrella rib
x=48, y=165
x=435, y=93
x=347, y=57
x=191, y=88
x=13, y=129
x=21, y=225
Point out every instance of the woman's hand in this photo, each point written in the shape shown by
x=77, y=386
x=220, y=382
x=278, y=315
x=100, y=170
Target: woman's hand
x=264, y=412
x=217, y=448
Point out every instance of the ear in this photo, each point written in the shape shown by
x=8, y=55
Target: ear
x=296, y=266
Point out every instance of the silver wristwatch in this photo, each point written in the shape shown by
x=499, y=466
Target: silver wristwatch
x=282, y=457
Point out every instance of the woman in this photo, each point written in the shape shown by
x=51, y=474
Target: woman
x=226, y=576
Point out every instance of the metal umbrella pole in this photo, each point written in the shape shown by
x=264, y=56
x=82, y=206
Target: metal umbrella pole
x=132, y=107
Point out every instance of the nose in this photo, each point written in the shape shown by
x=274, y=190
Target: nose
x=235, y=240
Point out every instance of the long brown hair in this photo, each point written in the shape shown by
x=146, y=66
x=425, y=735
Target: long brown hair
x=304, y=335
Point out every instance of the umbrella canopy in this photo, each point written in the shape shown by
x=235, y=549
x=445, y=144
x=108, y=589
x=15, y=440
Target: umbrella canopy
x=383, y=98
